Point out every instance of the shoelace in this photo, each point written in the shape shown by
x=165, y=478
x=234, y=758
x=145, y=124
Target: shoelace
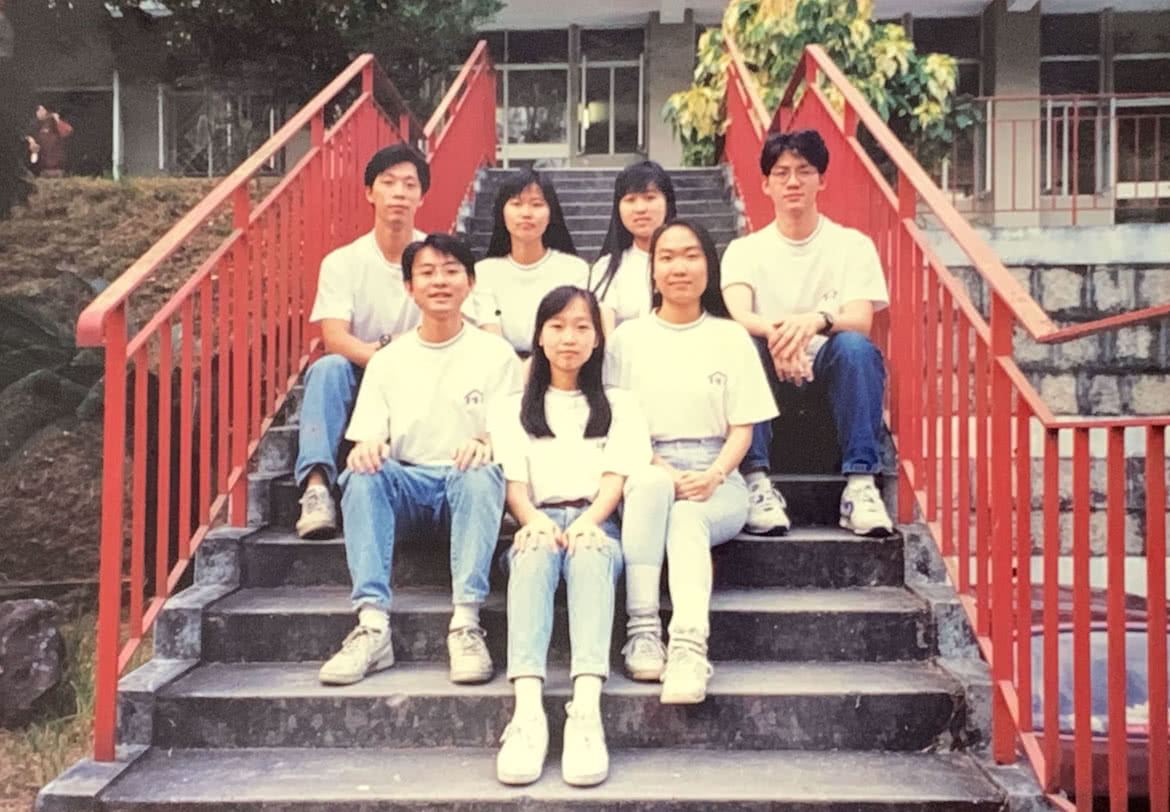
x=357, y=636
x=526, y=734
x=867, y=495
x=313, y=500
x=469, y=639
x=587, y=731
x=692, y=661
x=643, y=644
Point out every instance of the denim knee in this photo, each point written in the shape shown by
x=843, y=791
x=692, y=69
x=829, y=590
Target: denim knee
x=485, y=479
x=853, y=348
x=330, y=368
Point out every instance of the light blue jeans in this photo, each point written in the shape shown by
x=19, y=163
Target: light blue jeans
x=331, y=385
x=590, y=574
x=417, y=499
x=655, y=524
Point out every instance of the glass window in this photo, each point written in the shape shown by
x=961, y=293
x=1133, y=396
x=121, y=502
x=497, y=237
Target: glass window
x=538, y=46
x=1141, y=32
x=626, y=109
x=1070, y=77
x=495, y=41
x=612, y=43
x=957, y=36
x=595, y=113
x=969, y=78
x=1070, y=34
x=537, y=106
x=1141, y=75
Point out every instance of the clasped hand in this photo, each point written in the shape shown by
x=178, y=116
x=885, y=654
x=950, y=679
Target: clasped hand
x=788, y=341
x=541, y=531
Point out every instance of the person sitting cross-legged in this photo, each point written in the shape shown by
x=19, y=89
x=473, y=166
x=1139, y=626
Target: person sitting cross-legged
x=566, y=447
x=422, y=462
x=361, y=305
x=806, y=288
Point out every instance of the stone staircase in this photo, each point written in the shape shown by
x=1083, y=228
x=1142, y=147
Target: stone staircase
x=586, y=197
x=845, y=676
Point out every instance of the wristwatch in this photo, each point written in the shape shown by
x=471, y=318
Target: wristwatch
x=828, y=317
x=384, y=340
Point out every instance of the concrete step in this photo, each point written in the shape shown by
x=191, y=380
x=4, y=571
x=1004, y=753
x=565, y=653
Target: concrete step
x=602, y=208
x=388, y=780
x=824, y=557
x=749, y=706
x=291, y=624
x=604, y=193
x=605, y=181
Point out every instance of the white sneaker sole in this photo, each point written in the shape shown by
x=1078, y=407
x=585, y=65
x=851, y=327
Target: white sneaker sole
x=520, y=779
x=775, y=530
x=879, y=531
x=587, y=780
x=336, y=678
x=645, y=674
x=472, y=677
x=683, y=699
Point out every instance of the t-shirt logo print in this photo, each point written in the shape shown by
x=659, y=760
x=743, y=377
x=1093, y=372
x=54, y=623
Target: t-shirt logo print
x=473, y=398
x=717, y=379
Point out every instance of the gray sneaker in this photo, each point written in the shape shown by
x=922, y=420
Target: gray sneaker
x=645, y=656
x=470, y=660
x=684, y=682
x=363, y=652
x=318, y=514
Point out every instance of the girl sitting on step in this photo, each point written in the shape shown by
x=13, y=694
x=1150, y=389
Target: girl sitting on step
x=530, y=253
x=643, y=199
x=698, y=378
x=566, y=446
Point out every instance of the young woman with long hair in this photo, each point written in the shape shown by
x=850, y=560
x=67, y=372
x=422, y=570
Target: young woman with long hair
x=698, y=378
x=566, y=446
x=643, y=199
x=530, y=253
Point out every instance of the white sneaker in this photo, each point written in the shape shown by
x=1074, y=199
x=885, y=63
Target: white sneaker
x=524, y=746
x=363, y=652
x=767, y=510
x=863, y=512
x=468, y=652
x=585, y=760
x=318, y=514
x=645, y=656
x=684, y=682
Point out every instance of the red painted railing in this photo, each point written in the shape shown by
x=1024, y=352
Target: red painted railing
x=222, y=353
x=967, y=425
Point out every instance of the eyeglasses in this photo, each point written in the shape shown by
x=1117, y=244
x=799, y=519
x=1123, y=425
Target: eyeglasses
x=803, y=173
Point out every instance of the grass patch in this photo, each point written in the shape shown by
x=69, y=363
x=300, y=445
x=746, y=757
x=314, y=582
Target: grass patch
x=62, y=731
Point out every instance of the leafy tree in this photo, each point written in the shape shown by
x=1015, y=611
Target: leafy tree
x=294, y=47
x=914, y=92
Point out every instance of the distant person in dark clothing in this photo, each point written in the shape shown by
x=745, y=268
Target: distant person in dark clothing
x=47, y=144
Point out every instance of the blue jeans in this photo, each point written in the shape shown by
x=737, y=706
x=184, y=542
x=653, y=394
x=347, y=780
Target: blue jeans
x=849, y=370
x=656, y=525
x=590, y=575
x=331, y=385
x=419, y=499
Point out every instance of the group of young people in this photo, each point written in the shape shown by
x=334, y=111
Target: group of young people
x=621, y=412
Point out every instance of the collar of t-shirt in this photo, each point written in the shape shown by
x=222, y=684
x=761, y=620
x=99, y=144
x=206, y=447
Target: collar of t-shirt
x=415, y=236
x=520, y=266
x=670, y=325
x=439, y=345
x=805, y=245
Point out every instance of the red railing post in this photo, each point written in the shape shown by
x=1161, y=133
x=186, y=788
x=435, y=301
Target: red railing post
x=1002, y=616
x=110, y=569
x=241, y=317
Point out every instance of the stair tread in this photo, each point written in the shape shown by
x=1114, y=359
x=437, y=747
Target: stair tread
x=467, y=775
x=333, y=599
x=299, y=680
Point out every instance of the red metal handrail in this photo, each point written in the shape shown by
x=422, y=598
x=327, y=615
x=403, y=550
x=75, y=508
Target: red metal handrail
x=227, y=347
x=964, y=416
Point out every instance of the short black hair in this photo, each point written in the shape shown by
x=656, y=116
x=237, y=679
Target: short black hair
x=807, y=144
x=396, y=154
x=446, y=244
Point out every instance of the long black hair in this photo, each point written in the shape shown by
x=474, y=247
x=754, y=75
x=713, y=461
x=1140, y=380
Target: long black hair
x=711, y=299
x=639, y=177
x=532, y=416
x=556, y=235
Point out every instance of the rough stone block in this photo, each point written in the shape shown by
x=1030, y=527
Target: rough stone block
x=1027, y=351
x=956, y=638
x=1060, y=393
x=1060, y=289
x=217, y=559
x=1103, y=395
x=1077, y=353
x=973, y=674
x=1134, y=345
x=136, y=694
x=923, y=564
x=1023, y=275
x=1114, y=289
x=1150, y=394
x=1019, y=785
x=1153, y=286
x=1098, y=532
x=32, y=656
x=178, y=632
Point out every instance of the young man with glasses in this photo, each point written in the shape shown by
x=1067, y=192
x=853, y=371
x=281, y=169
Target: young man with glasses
x=806, y=288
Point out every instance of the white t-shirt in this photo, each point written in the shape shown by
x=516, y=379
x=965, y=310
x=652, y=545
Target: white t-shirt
x=430, y=399
x=359, y=285
x=693, y=380
x=628, y=293
x=507, y=293
x=568, y=466
x=832, y=266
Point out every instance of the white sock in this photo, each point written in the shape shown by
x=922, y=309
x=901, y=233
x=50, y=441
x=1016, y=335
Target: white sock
x=754, y=477
x=465, y=614
x=528, y=697
x=587, y=695
x=857, y=480
x=374, y=618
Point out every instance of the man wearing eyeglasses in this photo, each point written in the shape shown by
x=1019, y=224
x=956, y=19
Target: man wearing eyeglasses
x=806, y=288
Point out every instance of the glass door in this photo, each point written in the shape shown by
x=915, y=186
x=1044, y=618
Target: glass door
x=610, y=110
x=532, y=114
